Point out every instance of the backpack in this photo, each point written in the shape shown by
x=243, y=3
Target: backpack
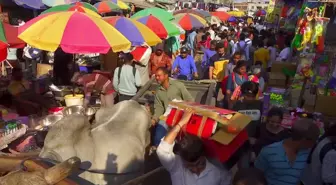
x=242, y=50
x=119, y=73
x=323, y=152
x=225, y=79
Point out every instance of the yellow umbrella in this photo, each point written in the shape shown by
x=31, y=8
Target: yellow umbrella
x=236, y=13
x=69, y=30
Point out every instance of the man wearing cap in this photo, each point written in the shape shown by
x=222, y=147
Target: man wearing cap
x=283, y=162
x=159, y=59
x=184, y=66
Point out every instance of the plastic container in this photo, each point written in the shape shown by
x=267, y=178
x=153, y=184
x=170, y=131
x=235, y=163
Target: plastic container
x=71, y=100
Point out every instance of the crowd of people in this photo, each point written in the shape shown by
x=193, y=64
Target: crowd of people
x=238, y=58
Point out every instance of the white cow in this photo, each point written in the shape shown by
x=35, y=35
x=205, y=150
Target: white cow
x=112, y=150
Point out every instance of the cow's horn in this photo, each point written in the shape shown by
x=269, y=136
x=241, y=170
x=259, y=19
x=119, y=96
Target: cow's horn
x=61, y=171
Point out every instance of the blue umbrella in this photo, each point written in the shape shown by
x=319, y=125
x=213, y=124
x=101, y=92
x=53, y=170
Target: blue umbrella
x=31, y=4
x=232, y=19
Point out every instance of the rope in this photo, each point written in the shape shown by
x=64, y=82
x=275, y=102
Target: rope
x=144, y=176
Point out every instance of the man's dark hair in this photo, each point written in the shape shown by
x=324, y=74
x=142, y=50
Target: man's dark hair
x=249, y=176
x=163, y=69
x=128, y=57
x=239, y=64
x=258, y=63
x=213, y=42
x=249, y=89
x=260, y=43
x=305, y=129
x=275, y=111
x=219, y=45
x=191, y=148
x=237, y=53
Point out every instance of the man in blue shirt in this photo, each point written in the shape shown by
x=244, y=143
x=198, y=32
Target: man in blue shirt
x=184, y=66
x=191, y=41
x=283, y=162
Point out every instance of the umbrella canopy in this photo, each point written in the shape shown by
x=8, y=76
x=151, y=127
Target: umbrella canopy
x=237, y=13
x=106, y=7
x=215, y=20
x=260, y=13
x=232, y=19
x=182, y=31
x=204, y=13
x=161, y=28
x=9, y=36
x=134, y=31
x=31, y=4
x=189, y=21
x=71, y=7
x=157, y=12
x=69, y=30
x=121, y=4
x=52, y=3
x=221, y=15
x=223, y=9
x=79, y=6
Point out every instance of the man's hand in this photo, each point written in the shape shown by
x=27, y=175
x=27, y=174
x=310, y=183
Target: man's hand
x=186, y=117
x=196, y=75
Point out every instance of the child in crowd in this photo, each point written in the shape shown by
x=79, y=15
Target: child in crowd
x=257, y=78
x=233, y=62
x=271, y=131
x=249, y=176
x=250, y=106
x=234, y=81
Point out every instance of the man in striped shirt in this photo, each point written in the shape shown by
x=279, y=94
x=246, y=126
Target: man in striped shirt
x=283, y=162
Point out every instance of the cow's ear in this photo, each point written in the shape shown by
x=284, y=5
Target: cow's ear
x=60, y=171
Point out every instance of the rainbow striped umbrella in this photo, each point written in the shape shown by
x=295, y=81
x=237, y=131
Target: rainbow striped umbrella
x=78, y=6
x=189, y=21
x=134, y=31
x=69, y=30
x=52, y=3
x=106, y=7
x=121, y=4
x=162, y=28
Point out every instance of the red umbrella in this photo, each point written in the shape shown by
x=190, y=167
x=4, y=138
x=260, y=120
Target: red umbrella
x=9, y=35
x=223, y=16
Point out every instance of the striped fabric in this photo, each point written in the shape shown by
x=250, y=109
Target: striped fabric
x=273, y=161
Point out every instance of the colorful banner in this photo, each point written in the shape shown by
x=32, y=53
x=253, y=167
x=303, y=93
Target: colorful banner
x=274, y=11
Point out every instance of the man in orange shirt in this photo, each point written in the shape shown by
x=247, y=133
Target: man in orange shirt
x=159, y=59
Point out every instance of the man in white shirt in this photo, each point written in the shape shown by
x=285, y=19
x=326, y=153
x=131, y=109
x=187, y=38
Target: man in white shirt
x=126, y=79
x=285, y=54
x=190, y=167
x=212, y=33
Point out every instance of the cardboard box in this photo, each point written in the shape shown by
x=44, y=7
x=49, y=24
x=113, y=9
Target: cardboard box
x=278, y=67
x=226, y=118
x=324, y=105
x=277, y=79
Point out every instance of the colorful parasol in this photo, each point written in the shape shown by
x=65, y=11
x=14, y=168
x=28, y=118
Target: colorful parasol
x=161, y=28
x=134, y=31
x=221, y=15
x=78, y=6
x=31, y=4
x=189, y=21
x=260, y=13
x=9, y=36
x=232, y=19
x=157, y=12
x=215, y=20
x=52, y=3
x=69, y=30
x=106, y=7
x=121, y=4
x=237, y=13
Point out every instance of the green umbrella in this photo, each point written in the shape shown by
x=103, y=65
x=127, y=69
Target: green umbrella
x=157, y=12
x=69, y=7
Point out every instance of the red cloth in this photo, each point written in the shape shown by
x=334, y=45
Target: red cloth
x=139, y=52
x=3, y=51
x=223, y=16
